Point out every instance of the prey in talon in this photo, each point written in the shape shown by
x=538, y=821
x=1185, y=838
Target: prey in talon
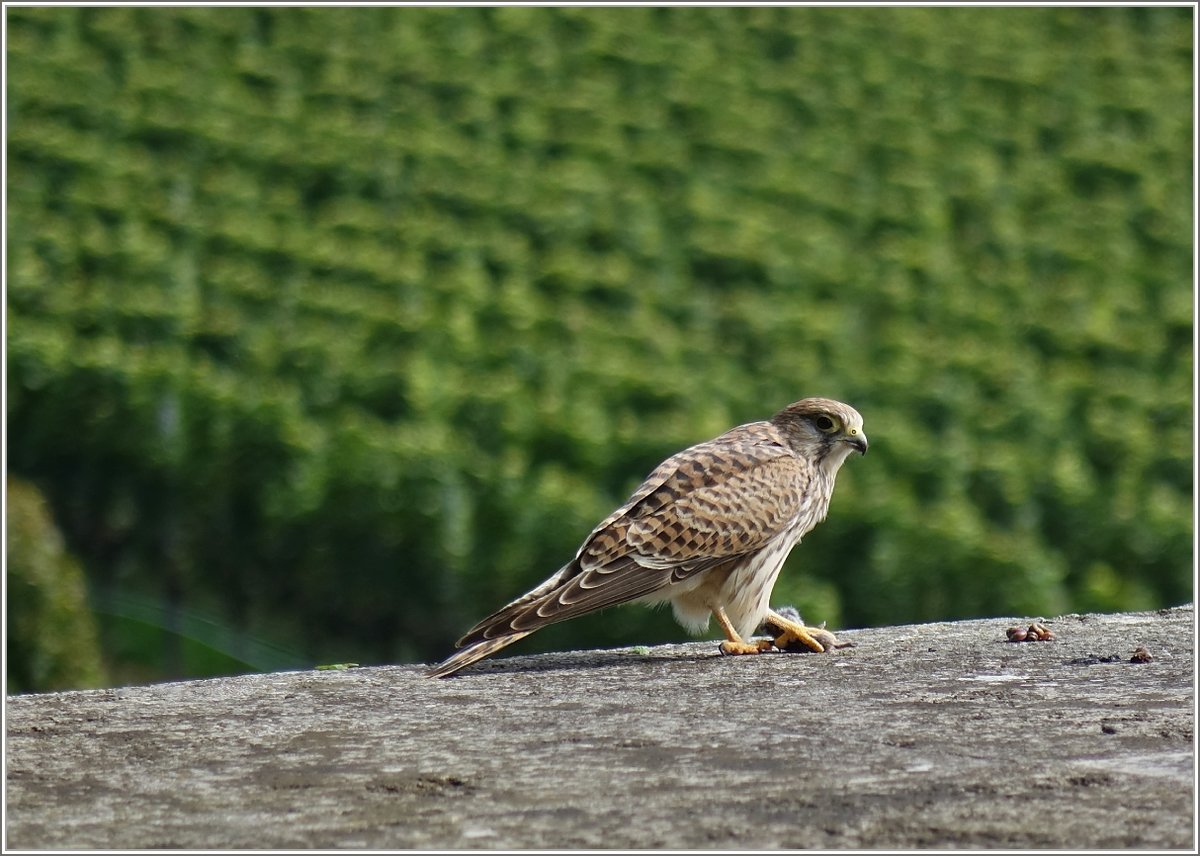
x=708, y=532
x=791, y=635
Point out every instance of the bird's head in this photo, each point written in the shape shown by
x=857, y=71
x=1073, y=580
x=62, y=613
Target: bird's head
x=822, y=430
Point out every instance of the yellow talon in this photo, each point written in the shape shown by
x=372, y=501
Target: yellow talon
x=730, y=647
x=735, y=644
x=786, y=640
x=796, y=637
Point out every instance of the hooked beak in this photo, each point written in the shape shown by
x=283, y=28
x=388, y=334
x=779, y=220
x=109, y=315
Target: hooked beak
x=857, y=439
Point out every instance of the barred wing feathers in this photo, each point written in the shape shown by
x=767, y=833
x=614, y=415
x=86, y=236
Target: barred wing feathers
x=712, y=503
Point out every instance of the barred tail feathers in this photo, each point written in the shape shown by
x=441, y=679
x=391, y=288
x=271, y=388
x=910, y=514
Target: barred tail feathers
x=472, y=653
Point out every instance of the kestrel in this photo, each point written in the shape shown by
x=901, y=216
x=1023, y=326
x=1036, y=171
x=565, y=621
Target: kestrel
x=707, y=531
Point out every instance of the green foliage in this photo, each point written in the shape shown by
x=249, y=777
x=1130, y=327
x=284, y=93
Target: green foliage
x=50, y=632
x=348, y=324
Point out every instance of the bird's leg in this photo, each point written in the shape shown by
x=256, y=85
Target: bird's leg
x=789, y=632
x=734, y=643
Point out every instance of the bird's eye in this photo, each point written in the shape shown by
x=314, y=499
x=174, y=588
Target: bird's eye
x=825, y=423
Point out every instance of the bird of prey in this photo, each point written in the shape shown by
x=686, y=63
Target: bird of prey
x=707, y=531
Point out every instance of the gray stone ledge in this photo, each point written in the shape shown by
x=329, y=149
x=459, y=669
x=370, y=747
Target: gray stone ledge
x=936, y=735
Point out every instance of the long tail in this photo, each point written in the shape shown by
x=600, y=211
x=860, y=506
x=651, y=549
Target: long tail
x=466, y=656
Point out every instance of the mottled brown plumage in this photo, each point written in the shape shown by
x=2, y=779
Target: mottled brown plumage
x=707, y=531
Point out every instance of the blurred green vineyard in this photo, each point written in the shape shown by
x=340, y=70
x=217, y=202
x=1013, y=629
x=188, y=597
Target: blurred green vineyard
x=344, y=326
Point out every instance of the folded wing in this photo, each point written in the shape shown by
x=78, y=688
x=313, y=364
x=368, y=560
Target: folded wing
x=707, y=505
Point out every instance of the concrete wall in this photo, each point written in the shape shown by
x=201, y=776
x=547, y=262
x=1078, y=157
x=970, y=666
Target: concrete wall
x=939, y=735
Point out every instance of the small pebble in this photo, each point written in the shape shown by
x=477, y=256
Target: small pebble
x=1041, y=632
x=1033, y=633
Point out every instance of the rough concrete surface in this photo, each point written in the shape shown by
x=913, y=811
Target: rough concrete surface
x=938, y=735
